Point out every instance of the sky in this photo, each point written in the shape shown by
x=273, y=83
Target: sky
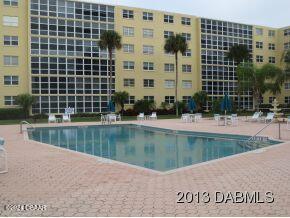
x=272, y=13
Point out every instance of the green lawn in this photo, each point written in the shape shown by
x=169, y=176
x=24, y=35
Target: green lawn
x=79, y=119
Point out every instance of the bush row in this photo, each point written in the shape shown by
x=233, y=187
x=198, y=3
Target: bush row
x=11, y=113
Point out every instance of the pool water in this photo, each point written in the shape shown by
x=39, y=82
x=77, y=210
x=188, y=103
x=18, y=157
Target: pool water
x=153, y=148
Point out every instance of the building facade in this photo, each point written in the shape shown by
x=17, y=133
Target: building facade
x=49, y=48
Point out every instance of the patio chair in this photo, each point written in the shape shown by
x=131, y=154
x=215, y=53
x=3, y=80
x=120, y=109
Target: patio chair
x=65, y=118
x=118, y=117
x=112, y=118
x=217, y=118
x=153, y=116
x=233, y=120
x=185, y=118
x=141, y=116
x=3, y=158
x=288, y=123
x=197, y=117
x=270, y=117
x=51, y=118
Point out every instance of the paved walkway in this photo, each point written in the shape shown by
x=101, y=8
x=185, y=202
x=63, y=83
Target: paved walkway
x=72, y=184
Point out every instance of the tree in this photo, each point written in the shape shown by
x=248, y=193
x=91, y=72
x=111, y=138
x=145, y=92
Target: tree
x=175, y=44
x=110, y=40
x=25, y=101
x=238, y=54
x=120, y=99
x=260, y=80
x=200, y=99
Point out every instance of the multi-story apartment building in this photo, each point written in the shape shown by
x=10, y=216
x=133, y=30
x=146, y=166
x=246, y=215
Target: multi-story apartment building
x=49, y=48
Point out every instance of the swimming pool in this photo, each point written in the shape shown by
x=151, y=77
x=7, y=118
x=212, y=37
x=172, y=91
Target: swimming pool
x=153, y=148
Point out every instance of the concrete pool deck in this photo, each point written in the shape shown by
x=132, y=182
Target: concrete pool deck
x=72, y=184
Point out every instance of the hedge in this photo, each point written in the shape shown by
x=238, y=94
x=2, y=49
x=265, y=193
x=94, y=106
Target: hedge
x=11, y=113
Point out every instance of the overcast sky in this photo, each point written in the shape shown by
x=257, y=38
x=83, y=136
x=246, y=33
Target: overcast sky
x=273, y=13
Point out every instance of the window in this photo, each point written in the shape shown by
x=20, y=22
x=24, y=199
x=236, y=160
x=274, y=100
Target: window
x=167, y=34
x=10, y=2
x=287, y=100
x=130, y=100
x=148, y=33
x=169, y=67
x=169, y=84
x=148, y=66
x=186, y=99
x=185, y=21
x=148, y=49
x=168, y=18
x=187, y=53
x=11, y=40
x=129, y=82
x=128, y=31
x=287, y=86
x=271, y=46
x=259, y=45
x=272, y=60
x=128, y=14
x=287, y=45
x=10, y=60
x=148, y=83
x=147, y=16
x=259, y=58
x=9, y=100
x=259, y=31
x=128, y=65
x=11, y=80
x=186, y=84
x=169, y=99
x=128, y=48
x=10, y=21
x=186, y=68
x=271, y=99
x=149, y=98
x=287, y=32
x=271, y=33
x=186, y=36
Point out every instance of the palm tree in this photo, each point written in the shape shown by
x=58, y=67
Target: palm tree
x=175, y=44
x=260, y=80
x=120, y=99
x=25, y=101
x=110, y=40
x=238, y=54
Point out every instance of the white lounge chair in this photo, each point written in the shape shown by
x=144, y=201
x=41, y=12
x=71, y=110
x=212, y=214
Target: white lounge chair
x=141, y=116
x=153, y=116
x=270, y=117
x=65, y=118
x=256, y=116
x=119, y=118
x=3, y=158
x=51, y=118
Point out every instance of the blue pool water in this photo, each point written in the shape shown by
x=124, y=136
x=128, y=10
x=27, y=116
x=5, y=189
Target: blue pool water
x=148, y=147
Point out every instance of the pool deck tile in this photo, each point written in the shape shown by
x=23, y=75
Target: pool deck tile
x=71, y=184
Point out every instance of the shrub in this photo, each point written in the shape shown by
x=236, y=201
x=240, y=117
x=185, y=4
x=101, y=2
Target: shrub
x=144, y=106
x=181, y=107
x=11, y=113
x=130, y=112
x=216, y=105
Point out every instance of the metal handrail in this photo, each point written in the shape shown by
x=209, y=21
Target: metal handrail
x=252, y=137
x=25, y=122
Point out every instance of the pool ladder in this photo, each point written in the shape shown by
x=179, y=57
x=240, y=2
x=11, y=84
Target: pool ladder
x=24, y=122
x=256, y=140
